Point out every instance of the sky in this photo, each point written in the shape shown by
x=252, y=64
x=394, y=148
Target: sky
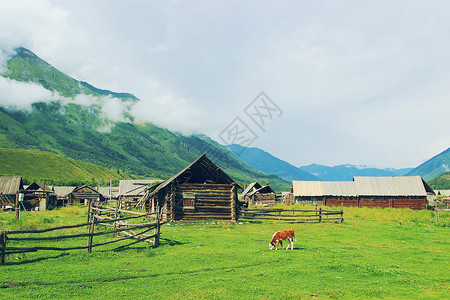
x=327, y=82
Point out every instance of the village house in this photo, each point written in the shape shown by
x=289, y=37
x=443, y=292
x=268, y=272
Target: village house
x=255, y=193
x=200, y=191
x=396, y=192
x=38, y=196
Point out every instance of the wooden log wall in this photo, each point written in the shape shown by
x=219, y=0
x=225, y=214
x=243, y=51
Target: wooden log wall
x=212, y=201
x=380, y=202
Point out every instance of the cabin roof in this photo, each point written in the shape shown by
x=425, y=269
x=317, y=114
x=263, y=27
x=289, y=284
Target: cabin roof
x=202, y=170
x=10, y=184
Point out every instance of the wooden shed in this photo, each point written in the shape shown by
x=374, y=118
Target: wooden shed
x=38, y=196
x=10, y=186
x=256, y=193
x=82, y=194
x=200, y=191
x=390, y=191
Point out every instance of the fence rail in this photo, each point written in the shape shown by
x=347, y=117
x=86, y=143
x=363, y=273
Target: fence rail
x=293, y=215
x=95, y=218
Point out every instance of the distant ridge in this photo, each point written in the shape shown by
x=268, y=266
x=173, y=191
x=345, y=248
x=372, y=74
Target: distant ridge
x=433, y=167
x=267, y=163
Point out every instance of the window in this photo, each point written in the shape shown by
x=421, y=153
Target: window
x=188, y=201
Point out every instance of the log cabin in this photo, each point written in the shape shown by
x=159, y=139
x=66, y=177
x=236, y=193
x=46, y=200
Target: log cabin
x=200, y=191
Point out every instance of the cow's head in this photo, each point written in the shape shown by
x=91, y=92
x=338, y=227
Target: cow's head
x=271, y=246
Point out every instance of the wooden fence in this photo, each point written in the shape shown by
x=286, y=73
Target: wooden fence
x=293, y=215
x=436, y=213
x=109, y=217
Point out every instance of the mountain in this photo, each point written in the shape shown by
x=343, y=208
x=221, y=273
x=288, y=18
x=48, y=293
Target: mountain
x=442, y=182
x=433, y=167
x=267, y=163
x=79, y=131
x=53, y=169
x=347, y=172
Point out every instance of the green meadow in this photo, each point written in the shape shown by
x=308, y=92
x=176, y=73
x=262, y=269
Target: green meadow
x=374, y=253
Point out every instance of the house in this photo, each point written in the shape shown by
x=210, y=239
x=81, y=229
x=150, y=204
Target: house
x=255, y=193
x=38, y=196
x=84, y=194
x=200, y=191
x=395, y=191
x=10, y=186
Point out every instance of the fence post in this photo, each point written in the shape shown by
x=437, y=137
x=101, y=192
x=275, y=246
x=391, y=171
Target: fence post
x=320, y=214
x=436, y=215
x=17, y=206
x=342, y=212
x=3, y=246
x=91, y=231
x=157, y=228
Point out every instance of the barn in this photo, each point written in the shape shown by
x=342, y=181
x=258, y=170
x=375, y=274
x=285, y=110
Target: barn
x=10, y=186
x=256, y=193
x=200, y=191
x=394, y=191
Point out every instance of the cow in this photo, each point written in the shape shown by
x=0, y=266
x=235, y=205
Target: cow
x=278, y=238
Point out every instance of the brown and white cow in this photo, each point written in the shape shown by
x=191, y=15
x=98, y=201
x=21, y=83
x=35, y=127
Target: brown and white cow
x=278, y=238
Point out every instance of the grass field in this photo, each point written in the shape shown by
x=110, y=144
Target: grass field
x=374, y=253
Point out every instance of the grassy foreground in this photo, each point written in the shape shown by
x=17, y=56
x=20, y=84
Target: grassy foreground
x=375, y=253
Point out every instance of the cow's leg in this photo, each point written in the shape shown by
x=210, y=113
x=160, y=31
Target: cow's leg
x=292, y=244
x=276, y=247
x=289, y=243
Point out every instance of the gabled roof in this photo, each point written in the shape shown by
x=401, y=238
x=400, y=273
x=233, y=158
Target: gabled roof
x=251, y=187
x=10, y=185
x=263, y=190
x=63, y=191
x=37, y=186
x=93, y=190
x=202, y=170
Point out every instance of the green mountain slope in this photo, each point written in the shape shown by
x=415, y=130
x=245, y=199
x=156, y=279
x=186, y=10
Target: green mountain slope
x=77, y=131
x=442, y=182
x=54, y=169
x=433, y=167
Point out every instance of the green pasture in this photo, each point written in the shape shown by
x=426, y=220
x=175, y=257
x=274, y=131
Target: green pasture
x=374, y=253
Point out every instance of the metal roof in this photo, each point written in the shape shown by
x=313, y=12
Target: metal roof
x=308, y=188
x=390, y=186
x=63, y=191
x=134, y=187
x=363, y=186
x=10, y=185
x=340, y=188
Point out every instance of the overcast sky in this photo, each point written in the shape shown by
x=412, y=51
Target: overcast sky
x=358, y=82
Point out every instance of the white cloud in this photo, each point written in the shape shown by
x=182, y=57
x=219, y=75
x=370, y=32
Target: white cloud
x=367, y=78
x=21, y=94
